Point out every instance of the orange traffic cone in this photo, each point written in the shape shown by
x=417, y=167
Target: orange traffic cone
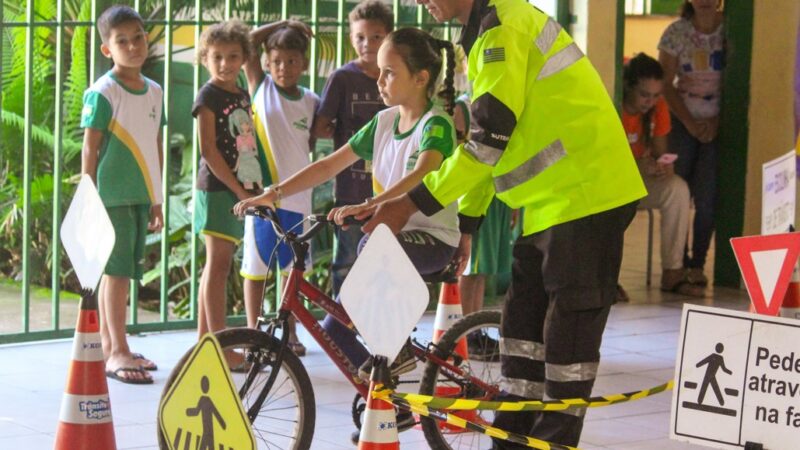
x=379, y=428
x=791, y=301
x=449, y=312
x=85, y=419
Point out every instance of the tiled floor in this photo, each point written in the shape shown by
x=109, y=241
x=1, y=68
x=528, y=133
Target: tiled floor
x=638, y=351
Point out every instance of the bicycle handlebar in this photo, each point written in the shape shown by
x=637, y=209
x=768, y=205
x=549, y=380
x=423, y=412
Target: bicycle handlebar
x=318, y=220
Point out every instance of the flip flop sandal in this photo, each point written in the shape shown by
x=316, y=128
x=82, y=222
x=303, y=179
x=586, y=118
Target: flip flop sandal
x=140, y=357
x=115, y=374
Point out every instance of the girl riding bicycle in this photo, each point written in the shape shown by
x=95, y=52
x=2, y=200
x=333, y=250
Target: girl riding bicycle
x=403, y=143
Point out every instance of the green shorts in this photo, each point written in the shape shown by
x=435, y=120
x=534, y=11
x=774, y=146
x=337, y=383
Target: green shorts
x=130, y=230
x=214, y=216
x=491, y=245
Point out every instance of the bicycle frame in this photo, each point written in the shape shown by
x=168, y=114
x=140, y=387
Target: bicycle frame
x=291, y=303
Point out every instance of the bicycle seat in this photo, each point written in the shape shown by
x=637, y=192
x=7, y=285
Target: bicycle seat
x=446, y=275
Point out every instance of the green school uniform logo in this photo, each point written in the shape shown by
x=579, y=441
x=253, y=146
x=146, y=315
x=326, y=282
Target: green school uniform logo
x=301, y=124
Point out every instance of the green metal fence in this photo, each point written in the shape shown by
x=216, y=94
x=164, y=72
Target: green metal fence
x=59, y=60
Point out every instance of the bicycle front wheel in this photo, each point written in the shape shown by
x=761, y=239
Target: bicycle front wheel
x=482, y=332
x=287, y=415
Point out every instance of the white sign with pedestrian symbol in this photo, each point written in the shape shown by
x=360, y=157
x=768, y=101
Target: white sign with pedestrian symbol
x=202, y=410
x=384, y=294
x=737, y=380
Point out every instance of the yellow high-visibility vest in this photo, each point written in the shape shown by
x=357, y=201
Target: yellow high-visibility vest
x=544, y=132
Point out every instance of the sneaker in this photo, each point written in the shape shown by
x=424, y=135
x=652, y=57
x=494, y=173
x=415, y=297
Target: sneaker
x=696, y=276
x=678, y=281
x=404, y=363
x=405, y=421
x=482, y=347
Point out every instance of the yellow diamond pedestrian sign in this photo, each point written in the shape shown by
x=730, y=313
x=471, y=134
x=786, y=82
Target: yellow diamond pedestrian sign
x=202, y=408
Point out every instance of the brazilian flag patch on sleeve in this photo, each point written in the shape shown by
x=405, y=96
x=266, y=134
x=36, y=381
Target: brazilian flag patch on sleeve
x=491, y=55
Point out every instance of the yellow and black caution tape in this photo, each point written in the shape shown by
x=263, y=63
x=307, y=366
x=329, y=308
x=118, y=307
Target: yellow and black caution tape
x=460, y=404
x=460, y=422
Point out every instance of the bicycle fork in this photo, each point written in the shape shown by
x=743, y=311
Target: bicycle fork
x=261, y=359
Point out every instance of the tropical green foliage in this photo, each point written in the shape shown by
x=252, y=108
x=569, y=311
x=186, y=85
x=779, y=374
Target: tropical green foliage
x=76, y=70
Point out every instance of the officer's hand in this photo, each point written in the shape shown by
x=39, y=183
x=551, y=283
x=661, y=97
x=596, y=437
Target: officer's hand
x=394, y=213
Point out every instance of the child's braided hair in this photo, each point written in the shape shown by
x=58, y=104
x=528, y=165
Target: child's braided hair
x=421, y=51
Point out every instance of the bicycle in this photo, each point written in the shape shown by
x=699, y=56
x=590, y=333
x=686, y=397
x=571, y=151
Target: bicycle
x=280, y=402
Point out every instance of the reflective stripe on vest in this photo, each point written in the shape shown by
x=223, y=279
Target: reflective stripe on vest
x=562, y=59
x=484, y=153
x=547, y=37
x=530, y=168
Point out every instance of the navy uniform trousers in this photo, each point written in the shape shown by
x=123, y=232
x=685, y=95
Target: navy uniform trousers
x=564, y=281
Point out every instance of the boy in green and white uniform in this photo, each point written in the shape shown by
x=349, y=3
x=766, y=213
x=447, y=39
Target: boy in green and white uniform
x=122, y=117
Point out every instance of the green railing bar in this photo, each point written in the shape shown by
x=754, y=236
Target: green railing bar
x=27, y=156
x=396, y=12
x=314, y=46
x=133, y=288
x=167, y=89
x=284, y=9
x=256, y=11
x=419, y=16
x=563, y=15
x=57, y=172
x=340, y=35
x=195, y=160
x=2, y=35
x=93, y=43
x=70, y=332
x=228, y=9
x=175, y=325
x=134, y=295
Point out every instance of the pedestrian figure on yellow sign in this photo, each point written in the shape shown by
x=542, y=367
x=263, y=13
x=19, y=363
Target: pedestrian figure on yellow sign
x=715, y=361
x=206, y=409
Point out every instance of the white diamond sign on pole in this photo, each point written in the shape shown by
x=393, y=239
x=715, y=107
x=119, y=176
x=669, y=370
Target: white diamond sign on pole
x=383, y=294
x=87, y=234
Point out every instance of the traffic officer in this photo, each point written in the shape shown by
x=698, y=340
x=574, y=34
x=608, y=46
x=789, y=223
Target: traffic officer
x=544, y=137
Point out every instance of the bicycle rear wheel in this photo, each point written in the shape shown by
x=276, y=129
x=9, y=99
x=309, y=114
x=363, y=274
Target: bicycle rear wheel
x=287, y=415
x=484, y=327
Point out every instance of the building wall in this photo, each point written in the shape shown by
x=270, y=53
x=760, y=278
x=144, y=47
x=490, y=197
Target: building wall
x=594, y=30
x=642, y=33
x=771, y=112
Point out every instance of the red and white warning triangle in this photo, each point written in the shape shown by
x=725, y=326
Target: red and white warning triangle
x=766, y=263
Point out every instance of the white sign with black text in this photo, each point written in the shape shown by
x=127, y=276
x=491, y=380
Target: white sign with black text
x=778, y=194
x=737, y=380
